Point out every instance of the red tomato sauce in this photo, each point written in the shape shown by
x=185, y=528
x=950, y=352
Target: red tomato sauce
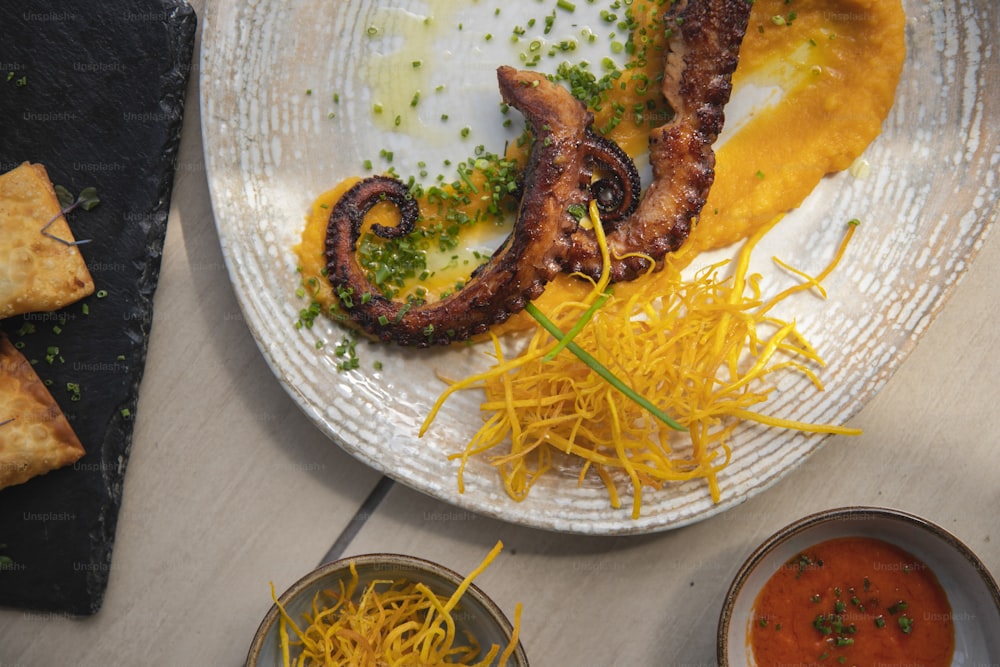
x=852, y=601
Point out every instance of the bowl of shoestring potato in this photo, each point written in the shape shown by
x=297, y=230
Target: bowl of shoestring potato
x=382, y=609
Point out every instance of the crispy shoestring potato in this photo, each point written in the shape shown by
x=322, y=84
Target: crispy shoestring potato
x=703, y=347
x=390, y=622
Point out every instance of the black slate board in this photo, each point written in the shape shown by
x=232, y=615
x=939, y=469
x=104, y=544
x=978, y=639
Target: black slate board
x=94, y=91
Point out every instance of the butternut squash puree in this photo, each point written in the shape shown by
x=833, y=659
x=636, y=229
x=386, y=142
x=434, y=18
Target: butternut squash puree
x=636, y=98
x=835, y=66
x=853, y=601
x=310, y=251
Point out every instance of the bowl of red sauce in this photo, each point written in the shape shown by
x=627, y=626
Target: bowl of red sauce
x=861, y=586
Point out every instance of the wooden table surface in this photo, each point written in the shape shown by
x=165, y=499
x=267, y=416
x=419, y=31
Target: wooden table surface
x=230, y=487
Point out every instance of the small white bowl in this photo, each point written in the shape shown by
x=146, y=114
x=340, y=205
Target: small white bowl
x=476, y=612
x=972, y=591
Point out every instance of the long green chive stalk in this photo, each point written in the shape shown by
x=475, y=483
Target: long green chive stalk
x=577, y=327
x=601, y=369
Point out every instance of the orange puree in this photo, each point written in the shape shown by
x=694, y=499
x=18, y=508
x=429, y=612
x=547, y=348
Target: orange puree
x=852, y=601
x=833, y=68
x=312, y=261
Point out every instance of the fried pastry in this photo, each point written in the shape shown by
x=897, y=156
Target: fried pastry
x=35, y=437
x=37, y=272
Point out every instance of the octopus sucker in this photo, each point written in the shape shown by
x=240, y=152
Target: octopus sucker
x=558, y=182
x=617, y=192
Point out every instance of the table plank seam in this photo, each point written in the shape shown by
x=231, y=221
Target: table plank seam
x=357, y=522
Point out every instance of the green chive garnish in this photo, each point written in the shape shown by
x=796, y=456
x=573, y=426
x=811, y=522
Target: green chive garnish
x=578, y=327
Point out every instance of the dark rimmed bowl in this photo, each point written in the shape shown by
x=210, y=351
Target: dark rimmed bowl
x=972, y=591
x=476, y=613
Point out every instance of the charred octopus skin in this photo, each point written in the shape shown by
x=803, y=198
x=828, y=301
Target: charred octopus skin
x=547, y=238
x=518, y=271
x=702, y=53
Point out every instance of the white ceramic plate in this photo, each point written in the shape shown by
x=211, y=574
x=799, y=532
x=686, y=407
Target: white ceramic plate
x=270, y=71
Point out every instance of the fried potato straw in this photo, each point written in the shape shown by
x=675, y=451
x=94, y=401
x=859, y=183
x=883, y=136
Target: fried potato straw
x=703, y=347
x=392, y=623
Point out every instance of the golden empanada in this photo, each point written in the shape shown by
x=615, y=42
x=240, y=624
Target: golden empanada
x=35, y=437
x=37, y=273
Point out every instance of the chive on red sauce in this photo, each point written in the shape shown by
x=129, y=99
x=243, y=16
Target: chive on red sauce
x=852, y=601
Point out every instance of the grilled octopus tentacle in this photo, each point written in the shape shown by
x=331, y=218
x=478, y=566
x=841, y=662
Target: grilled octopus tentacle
x=547, y=238
x=518, y=271
x=702, y=53
x=359, y=200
